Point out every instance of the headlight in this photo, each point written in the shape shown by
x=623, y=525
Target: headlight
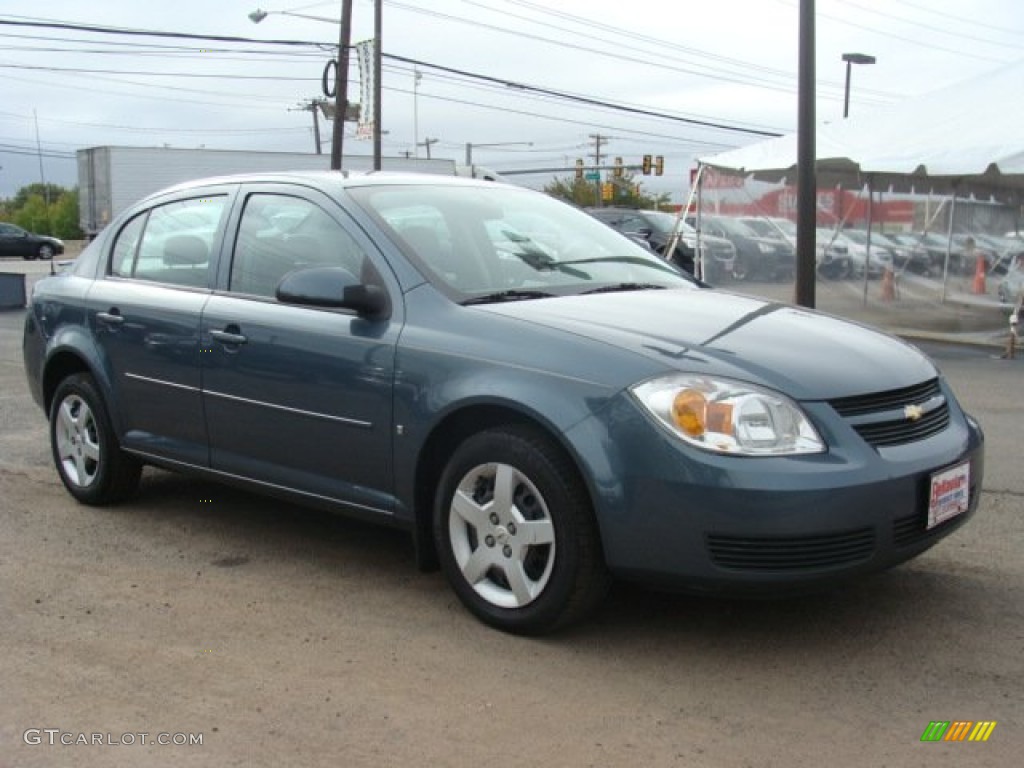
x=765, y=248
x=725, y=416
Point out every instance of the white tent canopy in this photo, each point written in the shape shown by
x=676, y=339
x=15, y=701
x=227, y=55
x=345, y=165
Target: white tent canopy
x=967, y=137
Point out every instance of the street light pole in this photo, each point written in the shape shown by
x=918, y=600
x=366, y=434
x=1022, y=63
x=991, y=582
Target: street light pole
x=851, y=59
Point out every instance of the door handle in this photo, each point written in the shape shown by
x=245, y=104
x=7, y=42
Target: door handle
x=228, y=337
x=113, y=317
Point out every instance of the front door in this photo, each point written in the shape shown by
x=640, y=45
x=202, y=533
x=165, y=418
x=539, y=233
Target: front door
x=298, y=398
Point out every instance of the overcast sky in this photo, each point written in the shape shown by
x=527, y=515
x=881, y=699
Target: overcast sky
x=728, y=62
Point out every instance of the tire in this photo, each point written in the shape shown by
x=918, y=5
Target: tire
x=89, y=460
x=45, y=252
x=516, y=533
x=740, y=268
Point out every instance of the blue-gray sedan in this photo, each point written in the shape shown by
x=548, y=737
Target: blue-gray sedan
x=542, y=403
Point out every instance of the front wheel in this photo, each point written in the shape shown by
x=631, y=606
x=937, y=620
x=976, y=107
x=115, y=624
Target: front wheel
x=516, y=534
x=89, y=460
x=45, y=252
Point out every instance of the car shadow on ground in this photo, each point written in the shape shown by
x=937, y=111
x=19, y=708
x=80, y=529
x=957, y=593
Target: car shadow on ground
x=212, y=525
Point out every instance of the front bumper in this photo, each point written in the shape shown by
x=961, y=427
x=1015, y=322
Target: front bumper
x=778, y=525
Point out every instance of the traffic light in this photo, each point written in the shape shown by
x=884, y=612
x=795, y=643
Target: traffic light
x=607, y=190
x=579, y=169
x=617, y=171
x=659, y=165
x=647, y=165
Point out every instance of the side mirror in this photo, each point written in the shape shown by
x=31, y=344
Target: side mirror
x=644, y=232
x=333, y=287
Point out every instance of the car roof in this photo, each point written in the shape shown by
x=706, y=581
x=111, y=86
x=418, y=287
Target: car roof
x=331, y=180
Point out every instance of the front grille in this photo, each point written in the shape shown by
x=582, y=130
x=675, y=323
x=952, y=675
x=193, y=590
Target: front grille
x=792, y=553
x=897, y=416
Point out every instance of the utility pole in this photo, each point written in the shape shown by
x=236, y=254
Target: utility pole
x=598, y=140
x=426, y=143
x=416, y=77
x=341, y=84
x=378, y=24
x=313, y=105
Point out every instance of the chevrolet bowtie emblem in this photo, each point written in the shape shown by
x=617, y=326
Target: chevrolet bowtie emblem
x=913, y=412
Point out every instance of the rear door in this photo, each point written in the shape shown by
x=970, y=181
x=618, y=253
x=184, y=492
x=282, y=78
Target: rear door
x=145, y=311
x=299, y=397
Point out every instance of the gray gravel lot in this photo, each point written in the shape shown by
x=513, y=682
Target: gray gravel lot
x=288, y=638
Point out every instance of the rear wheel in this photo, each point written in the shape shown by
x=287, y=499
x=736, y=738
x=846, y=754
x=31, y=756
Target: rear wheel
x=90, y=463
x=515, y=533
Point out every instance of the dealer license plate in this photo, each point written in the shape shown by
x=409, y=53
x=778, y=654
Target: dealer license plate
x=949, y=494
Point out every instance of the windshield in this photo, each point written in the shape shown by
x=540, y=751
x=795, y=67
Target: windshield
x=475, y=242
x=664, y=222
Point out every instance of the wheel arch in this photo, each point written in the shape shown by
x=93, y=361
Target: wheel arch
x=61, y=364
x=442, y=440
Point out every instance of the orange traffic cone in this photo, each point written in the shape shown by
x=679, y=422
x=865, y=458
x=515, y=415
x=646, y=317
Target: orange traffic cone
x=979, y=275
x=888, y=285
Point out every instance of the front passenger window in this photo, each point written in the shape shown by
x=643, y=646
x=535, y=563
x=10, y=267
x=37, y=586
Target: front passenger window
x=279, y=234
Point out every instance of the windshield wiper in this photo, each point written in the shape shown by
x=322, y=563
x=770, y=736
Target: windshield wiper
x=623, y=287
x=509, y=295
x=644, y=262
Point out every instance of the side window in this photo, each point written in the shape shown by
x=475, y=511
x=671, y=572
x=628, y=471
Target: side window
x=171, y=244
x=279, y=234
x=122, y=261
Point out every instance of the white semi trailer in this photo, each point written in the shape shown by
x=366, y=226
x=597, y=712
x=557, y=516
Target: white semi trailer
x=112, y=178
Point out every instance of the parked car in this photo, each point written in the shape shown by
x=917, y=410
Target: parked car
x=656, y=228
x=15, y=241
x=876, y=260
x=938, y=246
x=770, y=258
x=1005, y=251
x=541, y=417
x=907, y=257
x=1011, y=286
x=834, y=260
x=772, y=227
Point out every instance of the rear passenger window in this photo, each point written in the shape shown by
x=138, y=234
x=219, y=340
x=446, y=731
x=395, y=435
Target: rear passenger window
x=279, y=234
x=171, y=244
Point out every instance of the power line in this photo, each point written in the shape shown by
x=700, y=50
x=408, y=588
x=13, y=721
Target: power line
x=582, y=99
x=507, y=83
x=959, y=33
x=150, y=73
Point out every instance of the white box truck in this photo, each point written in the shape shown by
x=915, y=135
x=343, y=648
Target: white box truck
x=112, y=178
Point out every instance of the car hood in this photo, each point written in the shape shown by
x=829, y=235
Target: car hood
x=808, y=355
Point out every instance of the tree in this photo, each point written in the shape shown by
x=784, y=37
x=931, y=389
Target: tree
x=48, y=192
x=33, y=215
x=64, y=216
x=572, y=190
x=626, y=192
x=29, y=210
